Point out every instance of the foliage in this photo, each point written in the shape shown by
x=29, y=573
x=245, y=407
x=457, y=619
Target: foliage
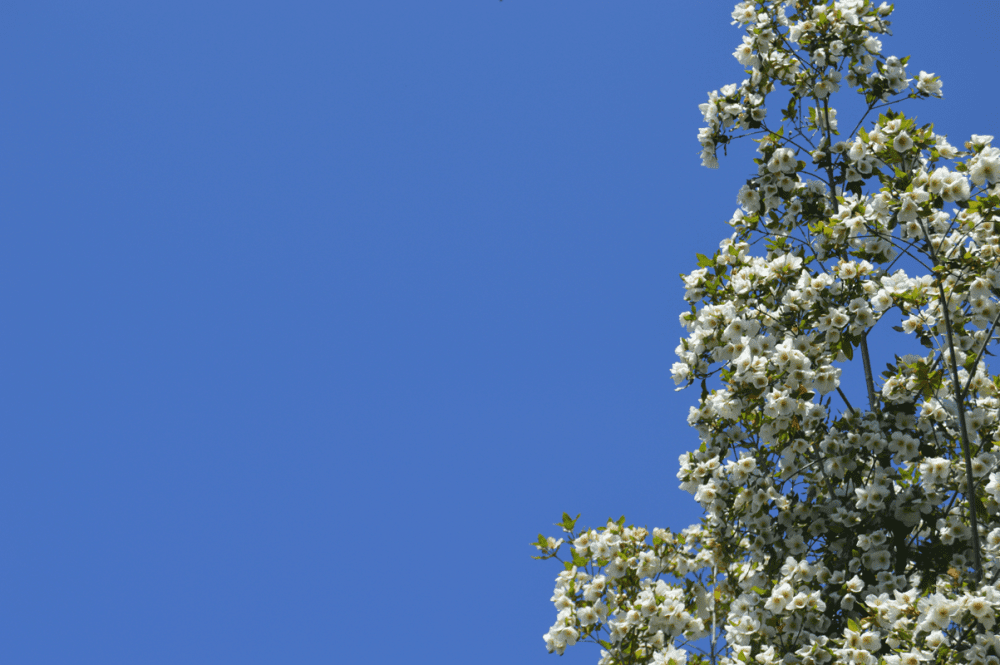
x=832, y=532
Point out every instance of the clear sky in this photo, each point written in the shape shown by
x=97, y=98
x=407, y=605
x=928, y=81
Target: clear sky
x=314, y=314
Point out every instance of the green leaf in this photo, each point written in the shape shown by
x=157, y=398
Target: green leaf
x=853, y=625
x=790, y=109
x=704, y=261
x=568, y=522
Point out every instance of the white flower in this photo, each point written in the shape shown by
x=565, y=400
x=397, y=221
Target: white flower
x=600, y=549
x=595, y=589
x=708, y=158
x=821, y=119
x=680, y=372
x=950, y=185
x=979, y=607
x=780, y=597
x=587, y=615
x=559, y=637
x=929, y=84
x=563, y=602
x=856, y=151
x=828, y=85
x=744, y=53
x=985, y=170
x=945, y=149
x=749, y=199
x=870, y=641
x=912, y=657
x=957, y=188
x=745, y=12
x=902, y=142
x=782, y=161
x=993, y=487
x=881, y=301
x=670, y=656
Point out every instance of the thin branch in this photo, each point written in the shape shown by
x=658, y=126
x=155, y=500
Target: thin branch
x=960, y=409
x=844, y=397
x=979, y=356
x=869, y=380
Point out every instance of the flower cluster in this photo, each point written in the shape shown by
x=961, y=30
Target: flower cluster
x=639, y=597
x=834, y=531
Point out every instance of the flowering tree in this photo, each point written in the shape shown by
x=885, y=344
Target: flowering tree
x=833, y=532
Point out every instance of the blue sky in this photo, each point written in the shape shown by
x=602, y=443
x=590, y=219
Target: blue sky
x=316, y=313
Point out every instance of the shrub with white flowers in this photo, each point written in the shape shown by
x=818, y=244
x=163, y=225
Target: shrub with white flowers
x=833, y=532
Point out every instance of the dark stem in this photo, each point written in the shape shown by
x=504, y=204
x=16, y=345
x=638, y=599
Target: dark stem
x=979, y=356
x=844, y=397
x=966, y=452
x=970, y=481
x=869, y=381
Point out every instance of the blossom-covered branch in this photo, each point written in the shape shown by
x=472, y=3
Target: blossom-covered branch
x=831, y=533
